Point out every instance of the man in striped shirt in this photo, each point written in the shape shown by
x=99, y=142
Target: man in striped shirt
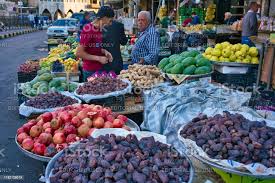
x=147, y=46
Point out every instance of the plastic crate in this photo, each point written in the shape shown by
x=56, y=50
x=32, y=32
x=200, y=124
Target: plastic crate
x=117, y=104
x=25, y=77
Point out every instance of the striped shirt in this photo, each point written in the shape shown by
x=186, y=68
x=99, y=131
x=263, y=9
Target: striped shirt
x=147, y=47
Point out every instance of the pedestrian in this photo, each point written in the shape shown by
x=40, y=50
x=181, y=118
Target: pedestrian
x=36, y=21
x=250, y=23
x=113, y=37
x=90, y=48
x=146, y=48
x=31, y=19
x=195, y=19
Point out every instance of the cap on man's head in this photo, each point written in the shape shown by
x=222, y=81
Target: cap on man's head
x=105, y=11
x=252, y=2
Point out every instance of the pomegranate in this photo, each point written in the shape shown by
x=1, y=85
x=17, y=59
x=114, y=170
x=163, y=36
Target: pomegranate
x=107, y=111
x=20, y=130
x=118, y=123
x=39, y=149
x=82, y=115
x=69, y=129
x=49, y=130
x=27, y=127
x=47, y=117
x=45, y=138
x=55, y=124
x=83, y=130
x=91, y=131
x=59, y=138
x=27, y=144
x=73, y=113
x=36, y=131
x=47, y=125
x=122, y=118
x=71, y=138
x=86, y=110
x=110, y=118
x=40, y=122
x=65, y=117
x=126, y=128
x=108, y=124
x=97, y=108
x=60, y=147
x=54, y=114
x=59, y=131
x=76, y=121
x=98, y=122
x=88, y=122
x=21, y=137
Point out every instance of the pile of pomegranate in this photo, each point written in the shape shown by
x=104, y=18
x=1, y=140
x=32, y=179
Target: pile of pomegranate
x=51, y=132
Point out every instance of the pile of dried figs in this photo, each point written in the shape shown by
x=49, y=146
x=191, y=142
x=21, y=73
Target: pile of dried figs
x=50, y=100
x=233, y=137
x=111, y=158
x=102, y=85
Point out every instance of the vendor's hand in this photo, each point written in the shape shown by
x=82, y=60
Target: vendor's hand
x=103, y=60
x=109, y=56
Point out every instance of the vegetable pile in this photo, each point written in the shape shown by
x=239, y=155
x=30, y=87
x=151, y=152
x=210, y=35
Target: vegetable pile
x=142, y=75
x=187, y=63
x=101, y=86
x=28, y=67
x=233, y=137
x=125, y=159
x=50, y=100
x=45, y=82
x=53, y=131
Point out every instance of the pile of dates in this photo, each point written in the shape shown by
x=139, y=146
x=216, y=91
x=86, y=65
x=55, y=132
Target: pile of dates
x=28, y=67
x=117, y=159
x=100, y=86
x=50, y=100
x=233, y=137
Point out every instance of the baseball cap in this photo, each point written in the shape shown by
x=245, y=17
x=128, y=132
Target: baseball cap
x=105, y=11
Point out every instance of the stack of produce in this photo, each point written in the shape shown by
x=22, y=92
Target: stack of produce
x=226, y=52
x=164, y=37
x=69, y=65
x=53, y=131
x=143, y=76
x=237, y=26
x=70, y=39
x=187, y=63
x=125, y=159
x=210, y=12
x=198, y=28
x=50, y=100
x=162, y=11
x=233, y=137
x=101, y=86
x=29, y=67
x=45, y=82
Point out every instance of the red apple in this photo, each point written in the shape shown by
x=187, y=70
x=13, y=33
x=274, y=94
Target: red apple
x=98, y=122
x=47, y=117
x=83, y=130
x=21, y=137
x=36, y=131
x=49, y=130
x=108, y=124
x=45, y=138
x=71, y=138
x=28, y=144
x=110, y=118
x=82, y=115
x=47, y=125
x=88, y=122
x=118, y=123
x=122, y=118
x=76, y=121
x=55, y=124
x=59, y=138
x=39, y=149
x=20, y=130
x=69, y=129
x=91, y=131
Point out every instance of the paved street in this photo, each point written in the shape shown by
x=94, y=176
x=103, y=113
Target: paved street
x=14, y=51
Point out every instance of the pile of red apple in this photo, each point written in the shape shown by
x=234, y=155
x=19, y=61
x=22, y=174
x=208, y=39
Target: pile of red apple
x=53, y=131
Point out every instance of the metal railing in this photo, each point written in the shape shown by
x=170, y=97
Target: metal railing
x=15, y=22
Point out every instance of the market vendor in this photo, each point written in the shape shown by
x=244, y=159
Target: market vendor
x=228, y=19
x=91, y=48
x=250, y=23
x=147, y=46
x=195, y=19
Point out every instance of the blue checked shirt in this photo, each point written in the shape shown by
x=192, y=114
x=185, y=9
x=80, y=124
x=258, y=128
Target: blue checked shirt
x=147, y=47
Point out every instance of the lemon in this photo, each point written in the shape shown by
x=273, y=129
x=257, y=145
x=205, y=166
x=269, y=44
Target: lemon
x=216, y=52
x=232, y=58
x=209, y=50
x=226, y=53
x=253, y=51
x=218, y=46
x=214, y=58
x=255, y=60
x=221, y=58
x=245, y=47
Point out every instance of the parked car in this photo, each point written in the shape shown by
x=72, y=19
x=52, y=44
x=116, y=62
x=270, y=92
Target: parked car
x=62, y=28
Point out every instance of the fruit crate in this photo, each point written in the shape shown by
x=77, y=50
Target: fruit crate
x=26, y=77
x=117, y=104
x=236, y=81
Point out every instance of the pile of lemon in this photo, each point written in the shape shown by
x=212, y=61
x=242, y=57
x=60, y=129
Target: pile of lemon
x=226, y=52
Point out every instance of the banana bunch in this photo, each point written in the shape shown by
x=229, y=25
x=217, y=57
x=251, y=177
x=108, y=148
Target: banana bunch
x=210, y=12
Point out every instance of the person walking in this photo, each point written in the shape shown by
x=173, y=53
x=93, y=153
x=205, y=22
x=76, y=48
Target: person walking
x=90, y=49
x=113, y=37
x=31, y=19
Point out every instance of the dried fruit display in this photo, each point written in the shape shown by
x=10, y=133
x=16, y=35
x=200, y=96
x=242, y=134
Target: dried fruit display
x=29, y=66
x=102, y=85
x=50, y=100
x=53, y=131
x=121, y=159
x=233, y=137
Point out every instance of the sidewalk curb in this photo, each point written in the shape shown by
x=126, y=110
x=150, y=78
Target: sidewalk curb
x=16, y=33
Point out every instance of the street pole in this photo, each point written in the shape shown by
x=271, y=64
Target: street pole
x=20, y=5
